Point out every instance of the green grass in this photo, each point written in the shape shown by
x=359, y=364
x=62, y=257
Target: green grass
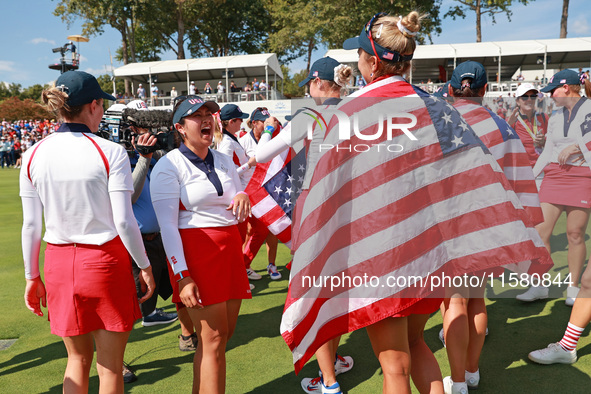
x=258, y=359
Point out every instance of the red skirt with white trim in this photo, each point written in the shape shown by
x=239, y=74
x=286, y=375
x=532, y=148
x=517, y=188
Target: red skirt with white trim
x=214, y=260
x=90, y=287
x=566, y=185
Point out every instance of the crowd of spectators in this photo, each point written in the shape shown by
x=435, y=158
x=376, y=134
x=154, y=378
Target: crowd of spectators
x=18, y=136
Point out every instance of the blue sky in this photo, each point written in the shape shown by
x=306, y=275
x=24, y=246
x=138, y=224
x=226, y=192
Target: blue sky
x=29, y=31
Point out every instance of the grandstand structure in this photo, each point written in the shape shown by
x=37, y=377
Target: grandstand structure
x=502, y=59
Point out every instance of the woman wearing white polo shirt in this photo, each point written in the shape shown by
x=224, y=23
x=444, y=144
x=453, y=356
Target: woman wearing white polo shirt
x=199, y=201
x=82, y=184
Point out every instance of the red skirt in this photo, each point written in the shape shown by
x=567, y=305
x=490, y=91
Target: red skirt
x=90, y=287
x=214, y=260
x=566, y=185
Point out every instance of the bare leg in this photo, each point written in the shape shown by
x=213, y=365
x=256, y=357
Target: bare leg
x=581, y=313
x=551, y=214
x=455, y=326
x=477, y=322
x=576, y=225
x=325, y=355
x=213, y=329
x=185, y=320
x=426, y=374
x=80, y=352
x=389, y=340
x=110, y=347
x=271, y=242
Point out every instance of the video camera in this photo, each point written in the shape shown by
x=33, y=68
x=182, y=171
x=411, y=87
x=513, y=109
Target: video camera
x=118, y=120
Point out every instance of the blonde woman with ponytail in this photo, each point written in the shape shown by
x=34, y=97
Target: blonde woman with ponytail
x=82, y=185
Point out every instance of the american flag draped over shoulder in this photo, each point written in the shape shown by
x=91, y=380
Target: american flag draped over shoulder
x=506, y=147
x=436, y=207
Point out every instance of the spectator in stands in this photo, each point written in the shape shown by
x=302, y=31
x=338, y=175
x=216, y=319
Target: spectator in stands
x=207, y=89
x=192, y=88
x=4, y=151
x=141, y=92
x=86, y=259
x=154, y=94
x=199, y=201
x=255, y=85
x=173, y=95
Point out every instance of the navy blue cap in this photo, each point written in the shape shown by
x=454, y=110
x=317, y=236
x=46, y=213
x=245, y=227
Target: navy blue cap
x=323, y=69
x=192, y=104
x=442, y=91
x=81, y=88
x=232, y=111
x=362, y=41
x=260, y=114
x=469, y=69
x=564, y=77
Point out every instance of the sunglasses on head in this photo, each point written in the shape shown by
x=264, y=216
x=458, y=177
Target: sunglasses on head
x=368, y=27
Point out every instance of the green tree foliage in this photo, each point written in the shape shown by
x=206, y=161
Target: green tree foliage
x=302, y=25
x=119, y=14
x=227, y=27
x=290, y=84
x=483, y=7
x=106, y=84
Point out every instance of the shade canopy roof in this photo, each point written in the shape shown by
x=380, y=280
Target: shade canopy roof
x=527, y=54
x=242, y=66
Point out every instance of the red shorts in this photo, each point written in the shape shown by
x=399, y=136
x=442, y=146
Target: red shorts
x=214, y=260
x=90, y=287
x=566, y=185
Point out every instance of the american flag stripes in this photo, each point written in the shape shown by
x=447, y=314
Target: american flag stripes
x=439, y=206
x=506, y=147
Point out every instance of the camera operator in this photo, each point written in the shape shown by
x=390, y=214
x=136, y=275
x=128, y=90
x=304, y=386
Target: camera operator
x=148, y=146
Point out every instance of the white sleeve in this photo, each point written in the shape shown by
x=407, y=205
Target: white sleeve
x=545, y=158
x=127, y=227
x=31, y=235
x=167, y=212
x=120, y=171
x=266, y=150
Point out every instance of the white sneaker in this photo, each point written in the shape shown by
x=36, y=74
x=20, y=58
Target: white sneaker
x=472, y=379
x=571, y=295
x=273, y=273
x=251, y=286
x=342, y=364
x=533, y=293
x=553, y=354
x=312, y=385
x=449, y=387
x=252, y=275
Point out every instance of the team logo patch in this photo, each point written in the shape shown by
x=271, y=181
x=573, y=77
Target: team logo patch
x=265, y=112
x=315, y=74
x=195, y=101
x=224, y=168
x=388, y=55
x=563, y=81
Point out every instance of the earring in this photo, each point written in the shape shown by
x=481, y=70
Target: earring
x=371, y=75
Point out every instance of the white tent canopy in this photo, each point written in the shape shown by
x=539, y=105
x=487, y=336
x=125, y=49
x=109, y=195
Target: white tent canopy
x=243, y=67
x=503, y=57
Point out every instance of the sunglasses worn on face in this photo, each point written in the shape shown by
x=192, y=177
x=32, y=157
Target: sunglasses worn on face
x=529, y=96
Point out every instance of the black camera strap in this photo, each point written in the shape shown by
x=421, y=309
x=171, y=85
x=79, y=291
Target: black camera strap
x=207, y=166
